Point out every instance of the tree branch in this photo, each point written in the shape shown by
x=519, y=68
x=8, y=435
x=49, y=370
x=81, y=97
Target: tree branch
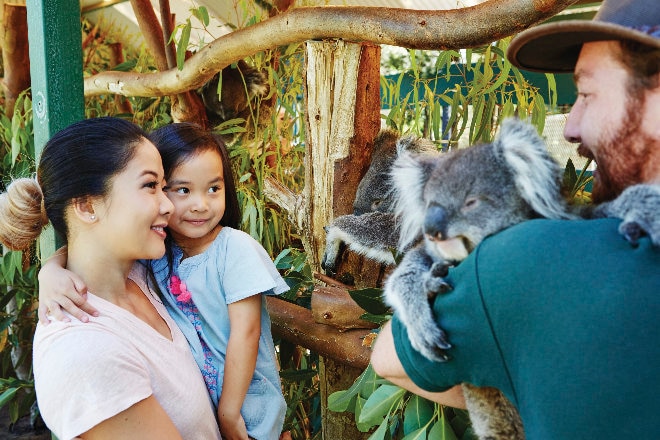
x=415, y=29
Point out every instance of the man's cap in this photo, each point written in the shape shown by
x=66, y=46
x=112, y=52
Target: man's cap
x=554, y=47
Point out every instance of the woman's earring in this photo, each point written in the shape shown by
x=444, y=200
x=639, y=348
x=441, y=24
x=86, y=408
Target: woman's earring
x=92, y=217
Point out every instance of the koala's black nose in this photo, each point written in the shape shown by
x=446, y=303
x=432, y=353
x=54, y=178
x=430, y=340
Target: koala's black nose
x=435, y=222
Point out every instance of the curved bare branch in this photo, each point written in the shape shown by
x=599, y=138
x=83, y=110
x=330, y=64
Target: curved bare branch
x=415, y=29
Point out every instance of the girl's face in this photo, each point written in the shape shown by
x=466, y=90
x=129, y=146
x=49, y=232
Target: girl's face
x=133, y=216
x=197, y=190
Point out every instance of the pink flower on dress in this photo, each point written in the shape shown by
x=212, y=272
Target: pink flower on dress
x=179, y=289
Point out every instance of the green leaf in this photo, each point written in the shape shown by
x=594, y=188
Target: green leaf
x=344, y=400
x=359, y=404
x=552, y=90
x=182, y=45
x=419, y=434
x=382, y=431
x=381, y=402
x=7, y=395
x=341, y=401
x=126, y=66
x=442, y=430
x=370, y=299
x=202, y=14
x=6, y=322
x=417, y=414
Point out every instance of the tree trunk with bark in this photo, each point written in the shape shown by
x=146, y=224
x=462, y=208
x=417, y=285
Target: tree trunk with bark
x=15, y=53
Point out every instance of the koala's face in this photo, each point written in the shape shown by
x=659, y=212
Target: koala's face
x=374, y=191
x=468, y=196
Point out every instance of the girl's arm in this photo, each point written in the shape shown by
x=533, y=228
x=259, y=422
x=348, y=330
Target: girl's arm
x=145, y=420
x=240, y=362
x=62, y=289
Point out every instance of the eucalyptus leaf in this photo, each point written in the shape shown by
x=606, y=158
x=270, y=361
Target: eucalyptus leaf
x=417, y=414
x=382, y=432
x=381, y=403
x=341, y=401
x=442, y=430
x=370, y=299
x=182, y=44
x=419, y=434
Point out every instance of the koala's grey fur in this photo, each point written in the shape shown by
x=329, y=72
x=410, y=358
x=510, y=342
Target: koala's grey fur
x=240, y=85
x=371, y=229
x=469, y=194
x=475, y=192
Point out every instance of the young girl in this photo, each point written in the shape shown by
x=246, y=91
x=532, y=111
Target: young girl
x=212, y=279
x=100, y=183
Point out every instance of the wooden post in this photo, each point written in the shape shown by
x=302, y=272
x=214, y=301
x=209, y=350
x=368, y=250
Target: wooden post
x=342, y=98
x=56, y=74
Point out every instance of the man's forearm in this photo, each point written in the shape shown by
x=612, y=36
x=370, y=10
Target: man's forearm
x=387, y=365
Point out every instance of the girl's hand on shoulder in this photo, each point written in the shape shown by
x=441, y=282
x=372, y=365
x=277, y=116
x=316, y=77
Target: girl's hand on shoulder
x=61, y=290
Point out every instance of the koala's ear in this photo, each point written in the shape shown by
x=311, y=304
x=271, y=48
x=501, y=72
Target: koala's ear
x=536, y=174
x=409, y=175
x=415, y=144
x=385, y=143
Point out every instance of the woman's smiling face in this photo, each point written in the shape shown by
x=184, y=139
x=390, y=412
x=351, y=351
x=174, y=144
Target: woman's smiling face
x=134, y=214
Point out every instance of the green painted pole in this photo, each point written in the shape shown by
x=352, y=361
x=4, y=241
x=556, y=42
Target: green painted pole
x=56, y=73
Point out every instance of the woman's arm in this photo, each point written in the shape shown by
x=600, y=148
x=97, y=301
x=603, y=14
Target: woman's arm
x=61, y=289
x=387, y=365
x=145, y=420
x=240, y=362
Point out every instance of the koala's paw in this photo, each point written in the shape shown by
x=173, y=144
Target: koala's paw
x=424, y=334
x=434, y=281
x=632, y=231
x=427, y=338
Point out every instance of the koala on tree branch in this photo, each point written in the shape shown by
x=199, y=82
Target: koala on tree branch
x=371, y=229
x=445, y=205
x=232, y=97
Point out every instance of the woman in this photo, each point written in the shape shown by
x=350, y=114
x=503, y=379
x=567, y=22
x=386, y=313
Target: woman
x=128, y=373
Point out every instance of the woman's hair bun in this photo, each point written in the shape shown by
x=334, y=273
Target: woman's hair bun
x=22, y=214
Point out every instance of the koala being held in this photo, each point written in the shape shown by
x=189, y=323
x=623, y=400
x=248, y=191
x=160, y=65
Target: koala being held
x=445, y=205
x=453, y=201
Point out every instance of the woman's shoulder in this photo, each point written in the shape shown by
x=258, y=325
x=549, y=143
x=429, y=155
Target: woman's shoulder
x=76, y=346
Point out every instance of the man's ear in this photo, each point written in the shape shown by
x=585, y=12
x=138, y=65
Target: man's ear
x=83, y=208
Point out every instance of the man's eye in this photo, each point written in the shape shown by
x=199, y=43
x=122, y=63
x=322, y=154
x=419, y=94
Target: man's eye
x=182, y=190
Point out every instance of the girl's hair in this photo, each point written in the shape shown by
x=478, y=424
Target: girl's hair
x=179, y=142
x=77, y=162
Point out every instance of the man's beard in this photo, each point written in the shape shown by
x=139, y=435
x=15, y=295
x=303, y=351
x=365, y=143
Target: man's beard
x=622, y=155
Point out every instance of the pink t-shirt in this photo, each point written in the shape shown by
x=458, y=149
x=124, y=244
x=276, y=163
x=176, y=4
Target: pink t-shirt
x=88, y=372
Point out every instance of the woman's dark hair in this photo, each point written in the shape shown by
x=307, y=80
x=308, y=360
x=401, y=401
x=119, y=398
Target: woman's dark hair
x=78, y=161
x=179, y=142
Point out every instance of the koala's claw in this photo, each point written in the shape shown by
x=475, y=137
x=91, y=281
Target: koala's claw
x=427, y=338
x=432, y=344
x=436, y=285
x=632, y=232
x=434, y=279
x=441, y=269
